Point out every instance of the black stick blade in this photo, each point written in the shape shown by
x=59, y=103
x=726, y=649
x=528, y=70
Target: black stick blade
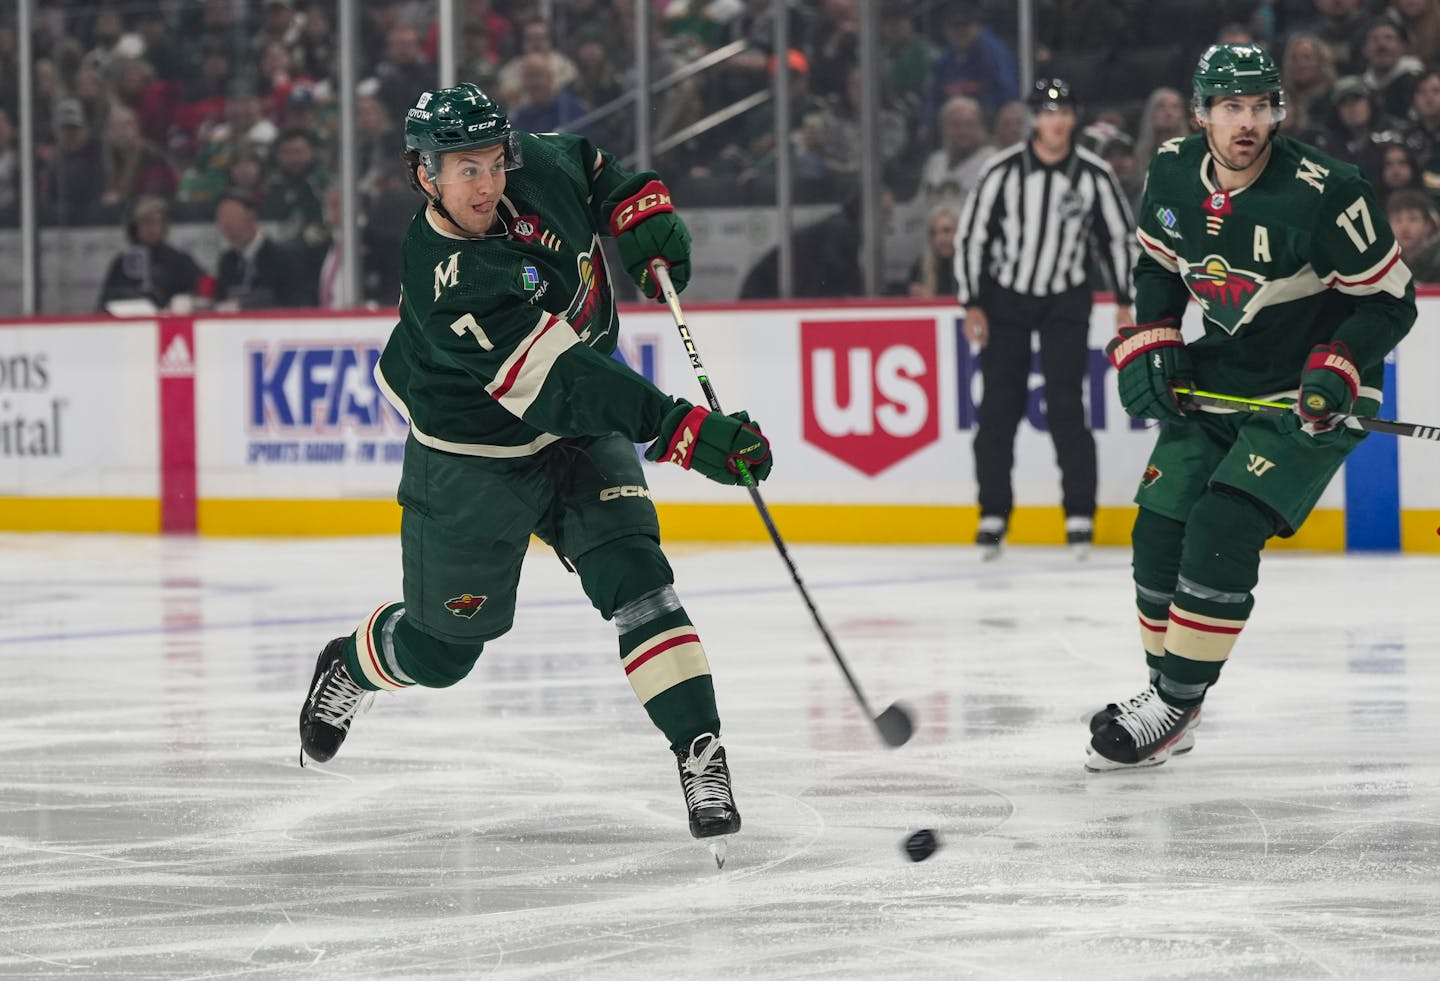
x=895, y=726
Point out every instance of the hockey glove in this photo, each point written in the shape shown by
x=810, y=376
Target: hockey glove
x=1329, y=386
x=1149, y=359
x=647, y=228
x=712, y=443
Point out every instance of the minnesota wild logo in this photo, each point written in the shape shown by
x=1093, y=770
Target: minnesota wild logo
x=1223, y=291
x=1152, y=473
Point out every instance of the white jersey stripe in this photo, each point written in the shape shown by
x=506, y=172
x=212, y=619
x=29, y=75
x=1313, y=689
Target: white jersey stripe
x=518, y=382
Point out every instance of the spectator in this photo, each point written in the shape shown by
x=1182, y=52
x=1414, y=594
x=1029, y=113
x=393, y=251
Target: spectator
x=245, y=129
x=1417, y=228
x=1165, y=117
x=130, y=165
x=974, y=62
x=1009, y=127
x=934, y=272
x=1399, y=170
x=150, y=268
x=543, y=107
x=253, y=272
x=907, y=57
x=1307, y=73
x=314, y=54
x=1116, y=148
x=1338, y=25
x=330, y=294
x=1353, y=121
x=203, y=97
x=478, y=61
x=837, y=139
x=404, y=70
x=1422, y=128
x=92, y=91
x=279, y=24
x=71, y=192
x=9, y=173
x=835, y=50
x=535, y=39
x=294, y=194
x=1390, y=72
x=951, y=172
x=375, y=149
x=1421, y=19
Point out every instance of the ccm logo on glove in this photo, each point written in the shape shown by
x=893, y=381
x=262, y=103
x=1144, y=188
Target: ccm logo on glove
x=653, y=199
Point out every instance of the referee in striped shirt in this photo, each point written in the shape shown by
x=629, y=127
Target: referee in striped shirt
x=1042, y=208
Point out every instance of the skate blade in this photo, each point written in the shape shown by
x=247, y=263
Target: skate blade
x=719, y=850
x=1080, y=552
x=989, y=553
x=1096, y=763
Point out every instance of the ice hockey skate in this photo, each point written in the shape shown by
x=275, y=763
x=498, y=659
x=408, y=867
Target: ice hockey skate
x=705, y=778
x=1106, y=715
x=331, y=706
x=990, y=537
x=1079, y=536
x=1139, y=732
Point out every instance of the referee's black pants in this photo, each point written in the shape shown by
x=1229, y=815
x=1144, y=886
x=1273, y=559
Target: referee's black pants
x=1063, y=322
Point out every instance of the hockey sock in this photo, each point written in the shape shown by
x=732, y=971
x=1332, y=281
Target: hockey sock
x=1157, y=542
x=1219, y=566
x=387, y=653
x=665, y=664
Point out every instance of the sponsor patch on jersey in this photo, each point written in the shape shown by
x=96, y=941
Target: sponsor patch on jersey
x=1222, y=290
x=1152, y=473
x=1165, y=216
x=465, y=605
x=530, y=276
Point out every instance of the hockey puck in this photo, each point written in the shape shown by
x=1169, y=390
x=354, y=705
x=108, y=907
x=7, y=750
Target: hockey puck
x=921, y=845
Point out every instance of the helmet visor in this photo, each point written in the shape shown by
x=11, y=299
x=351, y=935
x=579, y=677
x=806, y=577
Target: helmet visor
x=470, y=165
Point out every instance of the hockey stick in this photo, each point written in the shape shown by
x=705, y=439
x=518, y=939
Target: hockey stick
x=1367, y=423
x=894, y=724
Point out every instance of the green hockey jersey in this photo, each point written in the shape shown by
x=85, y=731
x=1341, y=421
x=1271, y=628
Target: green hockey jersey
x=503, y=344
x=1301, y=256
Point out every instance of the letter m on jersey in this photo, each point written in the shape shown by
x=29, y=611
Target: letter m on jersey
x=871, y=390
x=447, y=273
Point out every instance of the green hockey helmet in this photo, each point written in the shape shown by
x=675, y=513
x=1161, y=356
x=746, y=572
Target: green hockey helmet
x=1237, y=69
x=461, y=118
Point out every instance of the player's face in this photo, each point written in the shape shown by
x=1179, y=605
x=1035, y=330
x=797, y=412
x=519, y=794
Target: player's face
x=470, y=183
x=1239, y=129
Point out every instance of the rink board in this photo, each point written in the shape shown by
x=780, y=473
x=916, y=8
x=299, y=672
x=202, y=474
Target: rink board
x=272, y=424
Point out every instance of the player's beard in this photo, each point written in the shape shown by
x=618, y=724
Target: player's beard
x=1228, y=161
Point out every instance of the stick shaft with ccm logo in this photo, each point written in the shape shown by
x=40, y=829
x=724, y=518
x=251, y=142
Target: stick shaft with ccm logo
x=894, y=724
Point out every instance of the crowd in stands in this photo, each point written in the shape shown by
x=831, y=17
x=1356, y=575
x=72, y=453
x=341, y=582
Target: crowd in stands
x=223, y=112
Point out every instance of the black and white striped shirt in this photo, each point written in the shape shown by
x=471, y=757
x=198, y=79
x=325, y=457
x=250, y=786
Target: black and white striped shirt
x=1028, y=227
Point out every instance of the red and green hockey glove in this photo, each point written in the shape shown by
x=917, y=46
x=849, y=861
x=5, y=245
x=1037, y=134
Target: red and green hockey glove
x=1149, y=359
x=712, y=443
x=647, y=228
x=1329, y=386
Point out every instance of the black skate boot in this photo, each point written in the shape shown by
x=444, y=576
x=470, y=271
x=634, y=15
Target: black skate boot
x=705, y=778
x=1144, y=732
x=1110, y=712
x=331, y=706
x=990, y=536
x=1079, y=536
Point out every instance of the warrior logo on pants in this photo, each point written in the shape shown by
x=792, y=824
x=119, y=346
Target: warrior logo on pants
x=465, y=605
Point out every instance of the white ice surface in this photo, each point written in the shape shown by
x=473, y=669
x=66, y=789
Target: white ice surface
x=528, y=822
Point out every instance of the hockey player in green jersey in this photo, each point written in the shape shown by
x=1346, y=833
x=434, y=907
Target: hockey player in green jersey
x=522, y=423
x=1303, y=294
